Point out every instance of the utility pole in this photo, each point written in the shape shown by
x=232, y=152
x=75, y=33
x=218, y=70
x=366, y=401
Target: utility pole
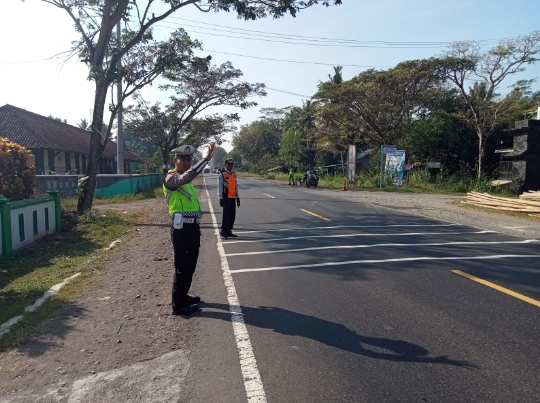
x=120, y=138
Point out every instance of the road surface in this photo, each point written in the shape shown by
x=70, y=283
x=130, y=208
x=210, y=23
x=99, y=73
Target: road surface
x=350, y=302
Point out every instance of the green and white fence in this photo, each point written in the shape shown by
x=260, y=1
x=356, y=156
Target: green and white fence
x=24, y=222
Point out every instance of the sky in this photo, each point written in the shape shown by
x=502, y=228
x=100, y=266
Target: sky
x=32, y=30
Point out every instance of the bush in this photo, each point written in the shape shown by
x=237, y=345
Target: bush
x=17, y=178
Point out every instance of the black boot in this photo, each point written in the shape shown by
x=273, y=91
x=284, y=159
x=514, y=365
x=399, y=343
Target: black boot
x=231, y=235
x=186, y=309
x=193, y=300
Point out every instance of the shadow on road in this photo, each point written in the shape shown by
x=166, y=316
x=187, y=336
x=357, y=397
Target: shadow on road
x=333, y=334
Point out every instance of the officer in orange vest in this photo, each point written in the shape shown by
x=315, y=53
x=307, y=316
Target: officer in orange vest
x=228, y=198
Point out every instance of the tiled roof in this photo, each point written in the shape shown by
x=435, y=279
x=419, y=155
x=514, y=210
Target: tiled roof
x=34, y=131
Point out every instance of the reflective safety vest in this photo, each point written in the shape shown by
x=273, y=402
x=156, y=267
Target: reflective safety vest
x=229, y=184
x=183, y=200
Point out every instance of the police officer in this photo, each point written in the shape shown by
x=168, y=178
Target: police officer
x=291, y=176
x=228, y=198
x=186, y=214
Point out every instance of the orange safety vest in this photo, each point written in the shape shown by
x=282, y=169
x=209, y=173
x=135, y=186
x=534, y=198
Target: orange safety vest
x=229, y=185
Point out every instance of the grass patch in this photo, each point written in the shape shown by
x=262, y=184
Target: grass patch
x=70, y=204
x=25, y=276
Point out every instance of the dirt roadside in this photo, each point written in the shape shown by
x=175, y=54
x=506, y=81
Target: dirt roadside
x=118, y=334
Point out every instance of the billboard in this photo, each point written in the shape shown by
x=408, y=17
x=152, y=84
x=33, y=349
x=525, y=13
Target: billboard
x=395, y=164
x=352, y=163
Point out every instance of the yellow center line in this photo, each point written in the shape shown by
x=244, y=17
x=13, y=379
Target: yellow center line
x=498, y=288
x=316, y=215
x=268, y=195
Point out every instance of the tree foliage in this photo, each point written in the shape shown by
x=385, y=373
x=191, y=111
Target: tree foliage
x=137, y=59
x=466, y=63
x=196, y=89
x=219, y=157
x=17, y=177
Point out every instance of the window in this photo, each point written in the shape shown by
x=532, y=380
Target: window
x=51, y=161
x=46, y=219
x=35, y=221
x=21, y=227
x=40, y=162
x=68, y=162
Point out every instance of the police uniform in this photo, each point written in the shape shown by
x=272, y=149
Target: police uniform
x=185, y=210
x=229, y=199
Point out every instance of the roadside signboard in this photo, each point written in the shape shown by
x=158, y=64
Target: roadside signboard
x=388, y=149
x=395, y=163
x=352, y=162
x=434, y=165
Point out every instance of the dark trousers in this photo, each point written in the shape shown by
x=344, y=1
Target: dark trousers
x=186, y=243
x=229, y=215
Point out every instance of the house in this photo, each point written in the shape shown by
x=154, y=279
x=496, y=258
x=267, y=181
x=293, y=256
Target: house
x=57, y=147
x=520, y=165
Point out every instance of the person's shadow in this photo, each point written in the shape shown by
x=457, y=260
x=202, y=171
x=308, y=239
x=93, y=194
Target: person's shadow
x=332, y=334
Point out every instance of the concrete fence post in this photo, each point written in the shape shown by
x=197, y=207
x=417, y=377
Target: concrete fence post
x=57, y=208
x=7, y=245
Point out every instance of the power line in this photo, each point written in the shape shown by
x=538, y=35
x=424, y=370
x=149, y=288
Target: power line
x=286, y=92
x=307, y=44
x=484, y=41
x=288, y=61
x=26, y=61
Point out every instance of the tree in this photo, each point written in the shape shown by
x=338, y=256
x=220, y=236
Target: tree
x=219, y=157
x=83, y=124
x=374, y=105
x=293, y=148
x=465, y=63
x=248, y=142
x=337, y=78
x=57, y=119
x=137, y=59
x=17, y=178
x=197, y=89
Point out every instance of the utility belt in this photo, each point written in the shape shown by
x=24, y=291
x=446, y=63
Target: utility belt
x=179, y=220
x=192, y=220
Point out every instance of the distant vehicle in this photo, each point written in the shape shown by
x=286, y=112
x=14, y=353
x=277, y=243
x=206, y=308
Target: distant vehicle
x=206, y=170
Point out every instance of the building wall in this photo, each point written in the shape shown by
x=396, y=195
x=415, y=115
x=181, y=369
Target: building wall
x=30, y=234
x=107, y=185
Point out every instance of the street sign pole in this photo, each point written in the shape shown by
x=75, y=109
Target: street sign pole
x=381, y=170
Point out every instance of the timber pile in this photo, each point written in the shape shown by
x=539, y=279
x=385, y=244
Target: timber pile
x=530, y=196
x=523, y=205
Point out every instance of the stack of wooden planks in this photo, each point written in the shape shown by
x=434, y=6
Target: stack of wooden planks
x=523, y=204
x=535, y=196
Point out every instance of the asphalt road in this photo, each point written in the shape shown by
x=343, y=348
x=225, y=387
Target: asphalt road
x=350, y=302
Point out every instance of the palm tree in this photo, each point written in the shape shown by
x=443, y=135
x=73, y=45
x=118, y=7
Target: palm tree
x=337, y=78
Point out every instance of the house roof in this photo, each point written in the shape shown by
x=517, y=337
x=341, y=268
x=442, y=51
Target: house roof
x=34, y=131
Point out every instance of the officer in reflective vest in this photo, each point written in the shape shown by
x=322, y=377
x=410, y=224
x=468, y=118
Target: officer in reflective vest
x=185, y=212
x=228, y=198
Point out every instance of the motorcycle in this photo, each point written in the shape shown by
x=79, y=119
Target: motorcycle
x=310, y=180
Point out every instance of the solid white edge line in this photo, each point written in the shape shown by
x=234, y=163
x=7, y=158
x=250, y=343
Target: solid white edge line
x=4, y=328
x=353, y=235
x=407, y=259
x=248, y=364
x=383, y=245
x=346, y=226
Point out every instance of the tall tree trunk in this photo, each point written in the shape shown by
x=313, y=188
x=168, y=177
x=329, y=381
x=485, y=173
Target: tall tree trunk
x=481, y=151
x=87, y=197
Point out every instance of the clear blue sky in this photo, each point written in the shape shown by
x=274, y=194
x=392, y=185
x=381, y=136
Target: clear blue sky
x=35, y=30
